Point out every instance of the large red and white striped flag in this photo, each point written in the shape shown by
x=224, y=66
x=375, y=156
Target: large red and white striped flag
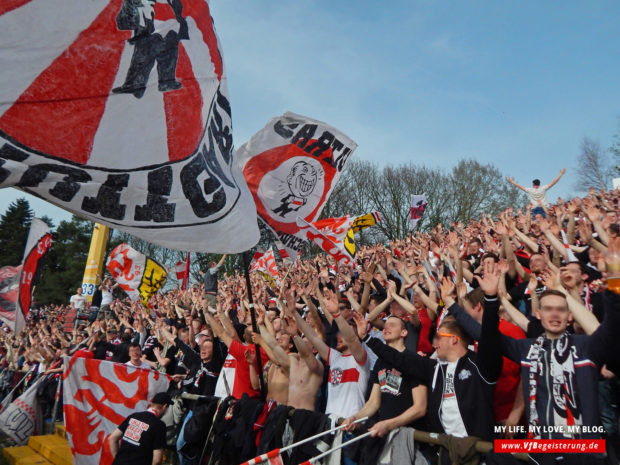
x=98, y=395
x=118, y=111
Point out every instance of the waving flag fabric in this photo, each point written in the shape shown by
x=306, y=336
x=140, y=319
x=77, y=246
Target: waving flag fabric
x=334, y=236
x=418, y=206
x=265, y=264
x=18, y=420
x=97, y=396
x=39, y=242
x=9, y=291
x=139, y=276
x=118, y=111
x=291, y=167
x=365, y=221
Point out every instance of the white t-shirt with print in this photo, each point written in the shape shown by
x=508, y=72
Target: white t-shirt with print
x=450, y=415
x=347, y=382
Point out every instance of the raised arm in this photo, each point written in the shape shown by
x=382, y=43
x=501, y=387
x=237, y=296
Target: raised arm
x=514, y=183
x=313, y=337
x=557, y=178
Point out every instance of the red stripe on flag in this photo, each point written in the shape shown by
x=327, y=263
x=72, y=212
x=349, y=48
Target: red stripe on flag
x=183, y=109
x=199, y=10
x=163, y=12
x=8, y=5
x=59, y=113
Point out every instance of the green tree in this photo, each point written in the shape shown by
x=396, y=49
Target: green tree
x=14, y=227
x=63, y=266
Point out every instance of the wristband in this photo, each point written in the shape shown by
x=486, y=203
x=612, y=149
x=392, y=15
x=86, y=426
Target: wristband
x=366, y=338
x=491, y=298
x=336, y=315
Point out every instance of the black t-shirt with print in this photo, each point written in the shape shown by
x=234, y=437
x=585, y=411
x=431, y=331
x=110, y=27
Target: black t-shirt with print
x=395, y=390
x=143, y=432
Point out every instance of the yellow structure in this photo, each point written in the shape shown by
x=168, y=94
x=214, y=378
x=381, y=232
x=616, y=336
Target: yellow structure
x=95, y=261
x=51, y=449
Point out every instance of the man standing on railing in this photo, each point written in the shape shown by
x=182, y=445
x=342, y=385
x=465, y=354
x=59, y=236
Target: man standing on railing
x=538, y=194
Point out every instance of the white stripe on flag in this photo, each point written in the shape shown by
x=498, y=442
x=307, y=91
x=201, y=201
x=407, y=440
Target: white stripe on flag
x=14, y=80
x=148, y=132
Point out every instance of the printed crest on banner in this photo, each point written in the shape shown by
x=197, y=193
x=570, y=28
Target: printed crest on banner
x=97, y=396
x=118, y=111
x=291, y=166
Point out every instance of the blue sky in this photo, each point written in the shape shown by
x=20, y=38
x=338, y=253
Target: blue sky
x=514, y=83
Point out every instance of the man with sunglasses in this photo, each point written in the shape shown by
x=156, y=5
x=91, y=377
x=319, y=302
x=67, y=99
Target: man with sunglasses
x=460, y=382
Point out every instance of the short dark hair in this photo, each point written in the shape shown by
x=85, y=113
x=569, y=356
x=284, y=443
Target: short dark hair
x=536, y=182
x=134, y=344
x=475, y=297
x=489, y=255
x=451, y=325
x=403, y=325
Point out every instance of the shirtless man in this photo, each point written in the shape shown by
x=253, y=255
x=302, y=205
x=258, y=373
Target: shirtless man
x=292, y=378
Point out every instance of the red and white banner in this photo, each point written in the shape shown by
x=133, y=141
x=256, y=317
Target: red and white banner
x=182, y=271
x=138, y=275
x=9, y=291
x=39, y=242
x=418, y=206
x=98, y=395
x=291, y=167
x=18, y=420
x=265, y=263
x=118, y=111
x=334, y=236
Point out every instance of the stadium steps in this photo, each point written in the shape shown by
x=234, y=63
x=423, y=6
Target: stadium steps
x=49, y=449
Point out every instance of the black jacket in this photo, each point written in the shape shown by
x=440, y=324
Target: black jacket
x=474, y=381
x=590, y=353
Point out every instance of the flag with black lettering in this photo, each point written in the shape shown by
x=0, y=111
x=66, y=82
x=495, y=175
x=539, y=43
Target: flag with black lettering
x=334, y=236
x=39, y=242
x=418, y=206
x=118, y=111
x=291, y=167
x=365, y=221
x=18, y=419
x=9, y=291
x=138, y=275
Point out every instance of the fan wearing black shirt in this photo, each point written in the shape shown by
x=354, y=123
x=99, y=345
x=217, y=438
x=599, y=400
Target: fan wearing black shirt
x=395, y=400
x=140, y=438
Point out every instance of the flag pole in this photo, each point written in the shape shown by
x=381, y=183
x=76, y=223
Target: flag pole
x=259, y=362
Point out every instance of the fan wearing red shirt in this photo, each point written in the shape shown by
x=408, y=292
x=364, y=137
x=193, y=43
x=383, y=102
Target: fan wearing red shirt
x=242, y=382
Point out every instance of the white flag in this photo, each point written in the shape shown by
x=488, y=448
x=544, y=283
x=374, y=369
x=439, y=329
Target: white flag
x=291, y=167
x=418, y=206
x=118, y=111
x=18, y=420
x=97, y=396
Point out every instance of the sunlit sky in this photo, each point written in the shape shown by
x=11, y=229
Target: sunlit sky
x=516, y=84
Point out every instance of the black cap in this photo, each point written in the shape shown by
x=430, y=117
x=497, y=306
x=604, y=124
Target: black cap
x=162, y=398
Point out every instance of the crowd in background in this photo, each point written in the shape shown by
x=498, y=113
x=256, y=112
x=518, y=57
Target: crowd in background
x=502, y=321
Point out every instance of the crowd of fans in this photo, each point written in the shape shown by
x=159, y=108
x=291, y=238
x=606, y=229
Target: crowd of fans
x=503, y=321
